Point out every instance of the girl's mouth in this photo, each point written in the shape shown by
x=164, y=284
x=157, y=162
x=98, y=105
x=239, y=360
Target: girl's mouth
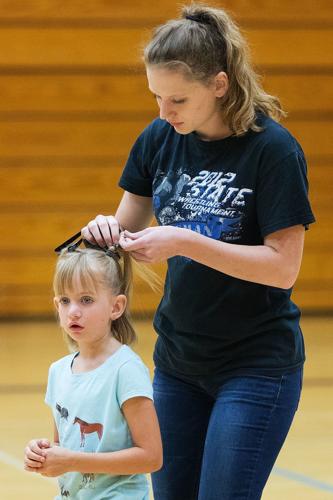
x=75, y=327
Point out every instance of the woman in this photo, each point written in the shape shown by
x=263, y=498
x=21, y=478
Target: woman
x=227, y=185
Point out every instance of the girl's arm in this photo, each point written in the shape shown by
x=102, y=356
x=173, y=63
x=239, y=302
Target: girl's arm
x=55, y=435
x=275, y=263
x=144, y=456
x=134, y=213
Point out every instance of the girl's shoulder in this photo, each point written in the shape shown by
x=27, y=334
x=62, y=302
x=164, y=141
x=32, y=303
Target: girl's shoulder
x=63, y=362
x=133, y=378
x=126, y=355
x=130, y=364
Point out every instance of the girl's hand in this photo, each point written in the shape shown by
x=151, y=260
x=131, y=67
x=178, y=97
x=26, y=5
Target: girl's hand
x=104, y=231
x=154, y=244
x=57, y=461
x=34, y=454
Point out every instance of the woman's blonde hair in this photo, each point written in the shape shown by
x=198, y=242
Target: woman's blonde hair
x=203, y=42
x=113, y=271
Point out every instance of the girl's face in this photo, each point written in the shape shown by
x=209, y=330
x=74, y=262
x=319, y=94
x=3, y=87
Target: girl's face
x=188, y=105
x=86, y=313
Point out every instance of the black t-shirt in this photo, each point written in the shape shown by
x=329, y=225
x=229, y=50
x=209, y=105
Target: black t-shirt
x=237, y=190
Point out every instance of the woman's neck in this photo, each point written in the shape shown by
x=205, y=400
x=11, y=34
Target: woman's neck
x=214, y=132
x=214, y=135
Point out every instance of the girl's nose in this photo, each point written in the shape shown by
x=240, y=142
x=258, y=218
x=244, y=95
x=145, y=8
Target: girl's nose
x=74, y=311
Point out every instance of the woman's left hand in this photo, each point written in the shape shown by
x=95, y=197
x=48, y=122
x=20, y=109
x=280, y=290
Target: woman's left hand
x=57, y=462
x=153, y=244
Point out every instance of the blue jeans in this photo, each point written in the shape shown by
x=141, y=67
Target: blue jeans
x=221, y=440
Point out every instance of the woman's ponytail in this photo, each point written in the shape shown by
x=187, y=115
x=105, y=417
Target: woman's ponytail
x=203, y=42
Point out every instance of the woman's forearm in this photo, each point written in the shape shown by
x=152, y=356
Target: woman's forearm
x=134, y=212
x=276, y=264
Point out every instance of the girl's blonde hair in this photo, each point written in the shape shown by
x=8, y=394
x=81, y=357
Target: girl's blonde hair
x=96, y=268
x=203, y=42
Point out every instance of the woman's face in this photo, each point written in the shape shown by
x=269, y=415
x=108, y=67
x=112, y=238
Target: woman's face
x=189, y=105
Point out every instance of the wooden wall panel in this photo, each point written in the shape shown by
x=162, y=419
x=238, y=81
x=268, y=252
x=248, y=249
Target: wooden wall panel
x=37, y=271
x=43, y=230
x=321, y=189
x=58, y=186
x=74, y=98
x=79, y=93
x=69, y=137
x=17, y=270
x=27, y=286
x=315, y=136
x=315, y=299
x=30, y=279
x=316, y=263
x=91, y=95
x=282, y=47
x=52, y=47
x=142, y=10
x=302, y=95
x=121, y=47
x=45, y=227
x=115, y=136
x=29, y=301
x=319, y=238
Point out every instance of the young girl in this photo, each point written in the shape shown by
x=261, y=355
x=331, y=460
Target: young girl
x=106, y=431
x=227, y=185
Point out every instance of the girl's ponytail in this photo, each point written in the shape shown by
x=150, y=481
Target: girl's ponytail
x=122, y=328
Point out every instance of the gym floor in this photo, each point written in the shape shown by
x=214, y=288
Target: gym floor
x=304, y=468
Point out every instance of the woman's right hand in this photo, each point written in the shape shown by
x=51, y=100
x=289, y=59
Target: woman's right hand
x=103, y=231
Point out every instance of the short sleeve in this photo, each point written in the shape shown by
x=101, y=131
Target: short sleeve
x=282, y=195
x=133, y=381
x=49, y=391
x=136, y=177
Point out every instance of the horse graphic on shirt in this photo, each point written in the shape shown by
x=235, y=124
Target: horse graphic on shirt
x=86, y=428
x=88, y=481
x=62, y=410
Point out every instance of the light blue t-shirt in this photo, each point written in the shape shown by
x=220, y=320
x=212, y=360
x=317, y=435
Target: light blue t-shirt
x=87, y=411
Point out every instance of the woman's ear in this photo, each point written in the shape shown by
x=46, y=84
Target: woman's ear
x=118, y=306
x=221, y=84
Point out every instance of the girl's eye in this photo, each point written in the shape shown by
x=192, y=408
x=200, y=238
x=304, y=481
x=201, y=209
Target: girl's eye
x=64, y=300
x=87, y=300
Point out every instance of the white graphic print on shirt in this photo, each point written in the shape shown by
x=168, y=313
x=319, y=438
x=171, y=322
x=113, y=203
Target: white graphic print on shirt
x=209, y=203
